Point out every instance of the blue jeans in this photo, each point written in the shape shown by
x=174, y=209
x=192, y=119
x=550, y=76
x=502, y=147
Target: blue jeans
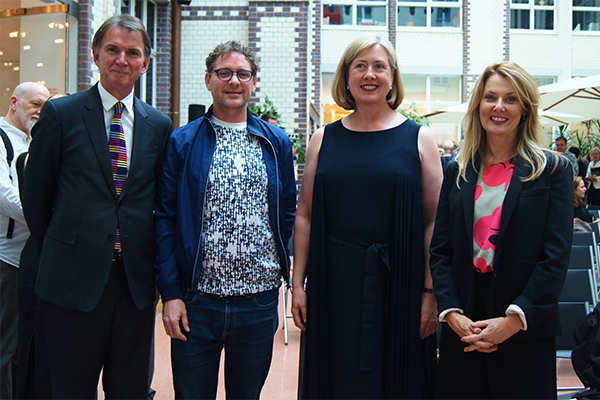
x=244, y=326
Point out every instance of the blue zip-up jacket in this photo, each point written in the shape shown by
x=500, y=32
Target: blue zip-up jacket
x=180, y=195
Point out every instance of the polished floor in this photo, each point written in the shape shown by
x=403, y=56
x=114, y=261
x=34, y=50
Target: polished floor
x=282, y=382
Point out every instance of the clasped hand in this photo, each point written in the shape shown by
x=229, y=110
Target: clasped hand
x=484, y=336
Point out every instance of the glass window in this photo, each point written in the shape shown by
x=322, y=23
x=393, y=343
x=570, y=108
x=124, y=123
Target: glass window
x=544, y=80
x=586, y=3
x=412, y=16
x=429, y=13
x=532, y=14
x=35, y=47
x=445, y=16
x=371, y=15
x=586, y=15
x=519, y=19
x=445, y=88
x=337, y=15
x=367, y=12
x=543, y=19
x=415, y=88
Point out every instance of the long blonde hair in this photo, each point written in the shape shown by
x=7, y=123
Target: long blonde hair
x=530, y=145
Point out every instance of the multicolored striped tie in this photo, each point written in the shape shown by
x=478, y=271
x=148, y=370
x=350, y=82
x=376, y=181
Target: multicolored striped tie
x=118, y=156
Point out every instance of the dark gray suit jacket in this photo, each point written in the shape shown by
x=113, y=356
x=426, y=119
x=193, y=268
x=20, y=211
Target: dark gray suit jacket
x=71, y=206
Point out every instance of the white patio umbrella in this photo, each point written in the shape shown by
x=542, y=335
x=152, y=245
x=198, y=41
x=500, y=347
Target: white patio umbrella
x=455, y=115
x=579, y=96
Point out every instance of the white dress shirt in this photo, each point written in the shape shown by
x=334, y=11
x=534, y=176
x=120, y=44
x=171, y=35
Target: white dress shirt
x=108, y=102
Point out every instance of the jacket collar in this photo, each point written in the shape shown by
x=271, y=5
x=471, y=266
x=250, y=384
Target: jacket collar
x=255, y=125
x=512, y=195
x=93, y=118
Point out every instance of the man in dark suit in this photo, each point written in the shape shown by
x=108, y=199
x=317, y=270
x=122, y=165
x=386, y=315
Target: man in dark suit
x=88, y=201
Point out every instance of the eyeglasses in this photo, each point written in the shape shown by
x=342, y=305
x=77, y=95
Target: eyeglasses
x=225, y=74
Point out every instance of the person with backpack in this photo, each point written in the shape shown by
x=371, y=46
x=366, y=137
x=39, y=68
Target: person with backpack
x=15, y=130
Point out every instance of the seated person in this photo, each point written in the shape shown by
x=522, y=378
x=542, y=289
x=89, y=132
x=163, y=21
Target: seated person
x=580, y=212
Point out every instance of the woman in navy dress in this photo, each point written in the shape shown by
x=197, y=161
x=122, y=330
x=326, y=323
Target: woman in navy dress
x=362, y=233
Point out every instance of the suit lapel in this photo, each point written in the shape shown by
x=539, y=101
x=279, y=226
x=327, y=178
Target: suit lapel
x=93, y=118
x=512, y=195
x=469, y=197
x=141, y=136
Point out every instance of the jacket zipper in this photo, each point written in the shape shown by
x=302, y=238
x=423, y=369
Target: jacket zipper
x=202, y=219
x=283, y=247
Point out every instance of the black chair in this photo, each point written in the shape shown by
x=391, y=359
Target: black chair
x=579, y=286
x=582, y=257
x=596, y=229
x=586, y=239
x=571, y=314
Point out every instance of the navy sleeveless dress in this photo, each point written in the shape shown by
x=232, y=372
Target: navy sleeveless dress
x=365, y=270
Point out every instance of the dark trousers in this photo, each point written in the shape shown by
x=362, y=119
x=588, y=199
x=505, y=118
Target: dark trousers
x=9, y=324
x=244, y=326
x=116, y=336
x=519, y=369
x=33, y=373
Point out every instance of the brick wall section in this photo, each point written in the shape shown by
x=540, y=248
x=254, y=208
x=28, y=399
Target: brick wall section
x=279, y=32
x=466, y=20
x=506, y=34
x=315, y=79
x=202, y=28
x=392, y=20
x=163, y=57
x=92, y=14
x=86, y=34
x=488, y=38
x=276, y=30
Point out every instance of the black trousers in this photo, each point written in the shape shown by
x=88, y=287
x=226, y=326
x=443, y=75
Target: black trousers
x=116, y=337
x=33, y=372
x=519, y=369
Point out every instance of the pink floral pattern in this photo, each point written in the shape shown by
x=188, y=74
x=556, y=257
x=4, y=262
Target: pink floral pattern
x=490, y=191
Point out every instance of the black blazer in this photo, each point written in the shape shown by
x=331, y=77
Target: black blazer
x=71, y=206
x=532, y=253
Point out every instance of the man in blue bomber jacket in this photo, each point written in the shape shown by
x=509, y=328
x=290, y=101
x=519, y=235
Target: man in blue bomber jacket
x=224, y=214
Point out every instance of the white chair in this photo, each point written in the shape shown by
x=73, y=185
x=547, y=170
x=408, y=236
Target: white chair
x=285, y=289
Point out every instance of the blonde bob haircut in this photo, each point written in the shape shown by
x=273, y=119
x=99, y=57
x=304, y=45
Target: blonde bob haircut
x=342, y=96
x=529, y=144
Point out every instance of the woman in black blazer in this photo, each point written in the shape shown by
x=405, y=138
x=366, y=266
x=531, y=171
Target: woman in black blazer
x=501, y=246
